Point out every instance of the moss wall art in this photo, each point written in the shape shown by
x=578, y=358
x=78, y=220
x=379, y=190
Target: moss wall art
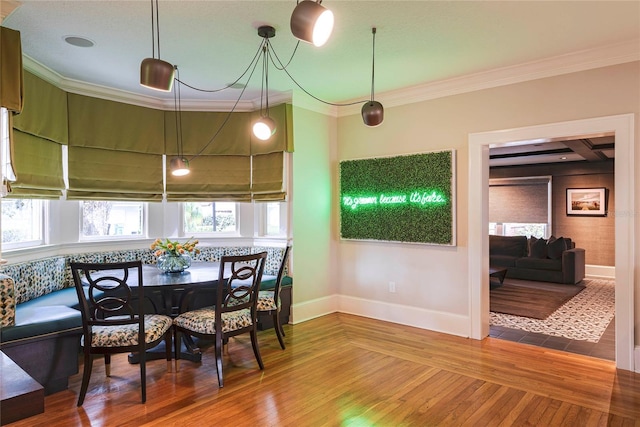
x=409, y=198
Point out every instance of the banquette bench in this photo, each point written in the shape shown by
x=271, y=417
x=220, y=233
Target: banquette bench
x=41, y=326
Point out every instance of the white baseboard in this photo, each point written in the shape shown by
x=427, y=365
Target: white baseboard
x=600, y=271
x=395, y=313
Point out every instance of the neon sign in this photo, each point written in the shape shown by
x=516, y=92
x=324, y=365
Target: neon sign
x=421, y=198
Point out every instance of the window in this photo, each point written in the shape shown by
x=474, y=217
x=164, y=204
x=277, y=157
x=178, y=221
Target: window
x=518, y=229
x=520, y=206
x=210, y=217
x=22, y=223
x=106, y=218
x=271, y=219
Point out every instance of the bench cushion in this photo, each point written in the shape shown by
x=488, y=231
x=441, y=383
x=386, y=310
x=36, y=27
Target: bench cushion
x=34, y=320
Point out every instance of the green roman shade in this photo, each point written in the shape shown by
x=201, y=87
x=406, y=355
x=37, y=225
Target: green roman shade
x=40, y=131
x=115, y=150
x=11, y=75
x=11, y=87
x=232, y=165
x=38, y=163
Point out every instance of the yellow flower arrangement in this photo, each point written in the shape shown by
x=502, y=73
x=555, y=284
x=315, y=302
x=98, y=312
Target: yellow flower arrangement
x=167, y=246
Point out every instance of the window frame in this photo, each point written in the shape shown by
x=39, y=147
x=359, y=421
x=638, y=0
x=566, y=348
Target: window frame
x=116, y=237
x=211, y=234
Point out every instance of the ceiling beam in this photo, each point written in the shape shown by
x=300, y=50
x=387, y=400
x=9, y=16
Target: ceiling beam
x=586, y=149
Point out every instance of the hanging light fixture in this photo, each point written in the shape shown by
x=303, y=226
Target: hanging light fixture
x=265, y=126
x=154, y=72
x=311, y=22
x=179, y=166
x=373, y=111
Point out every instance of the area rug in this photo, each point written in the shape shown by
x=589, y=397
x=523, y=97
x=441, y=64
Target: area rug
x=584, y=317
x=531, y=299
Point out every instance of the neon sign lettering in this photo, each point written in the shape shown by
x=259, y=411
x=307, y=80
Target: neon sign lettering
x=421, y=198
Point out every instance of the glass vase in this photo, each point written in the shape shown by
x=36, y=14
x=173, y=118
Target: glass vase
x=170, y=263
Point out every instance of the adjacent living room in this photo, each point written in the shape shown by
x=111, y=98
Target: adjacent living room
x=552, y=245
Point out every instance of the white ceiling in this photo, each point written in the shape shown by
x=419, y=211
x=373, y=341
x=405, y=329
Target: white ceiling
x=417, y=43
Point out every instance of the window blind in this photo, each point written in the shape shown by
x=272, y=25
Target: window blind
x=523, y=200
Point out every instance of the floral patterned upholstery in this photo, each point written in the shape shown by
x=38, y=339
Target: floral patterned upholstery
x=33, y=279
x=155, y=326
x=203, y=320
x=7, y=301
x=266, y=301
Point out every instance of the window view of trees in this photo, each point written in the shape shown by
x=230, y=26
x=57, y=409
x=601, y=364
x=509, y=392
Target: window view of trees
x=21, y=220
x=105, y=218
x=209, y=217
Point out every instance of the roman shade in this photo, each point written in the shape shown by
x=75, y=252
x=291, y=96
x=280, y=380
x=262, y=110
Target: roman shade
x=40, y=131
x=11, y=86
x=231, y=165
x=11, y=76
x=115, y=150
x=519, y=200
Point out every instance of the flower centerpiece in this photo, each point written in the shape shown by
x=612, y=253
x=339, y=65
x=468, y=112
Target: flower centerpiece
x=173, y=256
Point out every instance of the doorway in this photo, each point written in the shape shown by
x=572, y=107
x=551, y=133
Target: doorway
x=479, y=143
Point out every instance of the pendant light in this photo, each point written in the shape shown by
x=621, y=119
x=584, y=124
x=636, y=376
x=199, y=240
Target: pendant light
x=154, y=72
x=373, y=111
x=179, y=166
x=311, y=22
x=265, y=126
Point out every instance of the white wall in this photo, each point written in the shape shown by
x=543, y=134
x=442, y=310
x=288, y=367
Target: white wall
x=433, y=282
x=316, y=283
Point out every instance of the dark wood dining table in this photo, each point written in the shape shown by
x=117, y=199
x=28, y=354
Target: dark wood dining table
x=166, y=293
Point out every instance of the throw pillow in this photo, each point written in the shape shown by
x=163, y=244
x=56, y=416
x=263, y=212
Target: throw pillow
x=556, y=247
x=537, y=248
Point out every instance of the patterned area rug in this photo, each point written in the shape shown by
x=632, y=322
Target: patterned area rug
x=584, y=317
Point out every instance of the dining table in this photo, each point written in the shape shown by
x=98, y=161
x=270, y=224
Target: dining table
x=167, y=293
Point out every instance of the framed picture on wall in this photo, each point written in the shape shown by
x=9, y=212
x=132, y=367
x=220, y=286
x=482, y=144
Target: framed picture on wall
x=587, y=201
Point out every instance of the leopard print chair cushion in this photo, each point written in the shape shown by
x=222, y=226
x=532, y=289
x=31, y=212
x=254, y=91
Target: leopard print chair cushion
x=155, y=326
x=204, y=320
x=266, y=301
x=7, y=301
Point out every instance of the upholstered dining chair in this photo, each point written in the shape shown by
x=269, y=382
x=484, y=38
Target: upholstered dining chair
x=269, y=300
x=233, y=311
x=113, y=319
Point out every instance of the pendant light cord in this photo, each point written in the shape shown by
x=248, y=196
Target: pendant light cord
x=373, y=62
x=153, y=32
x=177, y=107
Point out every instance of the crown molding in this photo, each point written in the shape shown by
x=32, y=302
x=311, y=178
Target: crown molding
x=563, y=64
x=111, y=94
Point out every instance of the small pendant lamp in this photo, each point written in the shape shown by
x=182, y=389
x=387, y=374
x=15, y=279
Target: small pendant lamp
x=154, y=72
x=373, y=111
x=311, y=22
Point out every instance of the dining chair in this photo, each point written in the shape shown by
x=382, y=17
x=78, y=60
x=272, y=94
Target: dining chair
x=233, y=311
x=269, y=303
x=113, y=319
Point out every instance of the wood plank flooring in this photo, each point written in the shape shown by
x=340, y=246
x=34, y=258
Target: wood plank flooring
x=343, y=370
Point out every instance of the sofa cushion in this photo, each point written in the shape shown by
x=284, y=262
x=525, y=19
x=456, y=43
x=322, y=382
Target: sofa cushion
x=514, y=246
x=555, y=247
x=537, y=248
x=539, y=264
x=502, y=261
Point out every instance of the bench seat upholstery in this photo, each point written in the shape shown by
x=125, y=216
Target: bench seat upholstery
x=41, y=323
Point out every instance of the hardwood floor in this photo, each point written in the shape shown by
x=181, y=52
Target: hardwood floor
x=347, y=370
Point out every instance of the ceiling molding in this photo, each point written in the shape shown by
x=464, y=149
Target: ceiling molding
x=564, y=64
x=570, y=63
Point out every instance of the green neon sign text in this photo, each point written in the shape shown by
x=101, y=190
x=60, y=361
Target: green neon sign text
x=414, y=198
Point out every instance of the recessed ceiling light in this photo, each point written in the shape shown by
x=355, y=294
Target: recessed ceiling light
x=78, y=41
x=563, y=158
